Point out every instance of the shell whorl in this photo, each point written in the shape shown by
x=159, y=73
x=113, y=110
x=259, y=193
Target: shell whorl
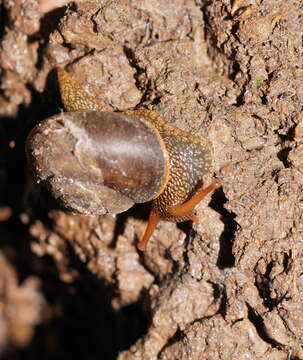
x=87, y=149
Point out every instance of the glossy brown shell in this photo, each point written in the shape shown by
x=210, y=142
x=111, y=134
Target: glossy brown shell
x=81, y=155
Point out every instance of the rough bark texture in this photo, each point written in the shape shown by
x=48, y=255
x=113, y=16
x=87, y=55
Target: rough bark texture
x=227, y=288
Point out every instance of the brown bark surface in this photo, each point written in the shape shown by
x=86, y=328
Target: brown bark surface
x=227, y=288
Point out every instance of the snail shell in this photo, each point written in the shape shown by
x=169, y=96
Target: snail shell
x=98, y=162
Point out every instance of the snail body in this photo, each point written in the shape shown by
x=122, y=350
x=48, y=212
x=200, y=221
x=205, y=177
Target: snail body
x=97, y=161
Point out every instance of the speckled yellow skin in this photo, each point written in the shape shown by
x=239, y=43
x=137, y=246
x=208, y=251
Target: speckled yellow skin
x=188, y=156
x=73, y=96
x=189, y=161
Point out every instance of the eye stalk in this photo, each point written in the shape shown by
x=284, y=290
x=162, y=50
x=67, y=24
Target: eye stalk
x=97, y=161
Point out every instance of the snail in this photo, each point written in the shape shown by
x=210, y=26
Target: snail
x=95, y=160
